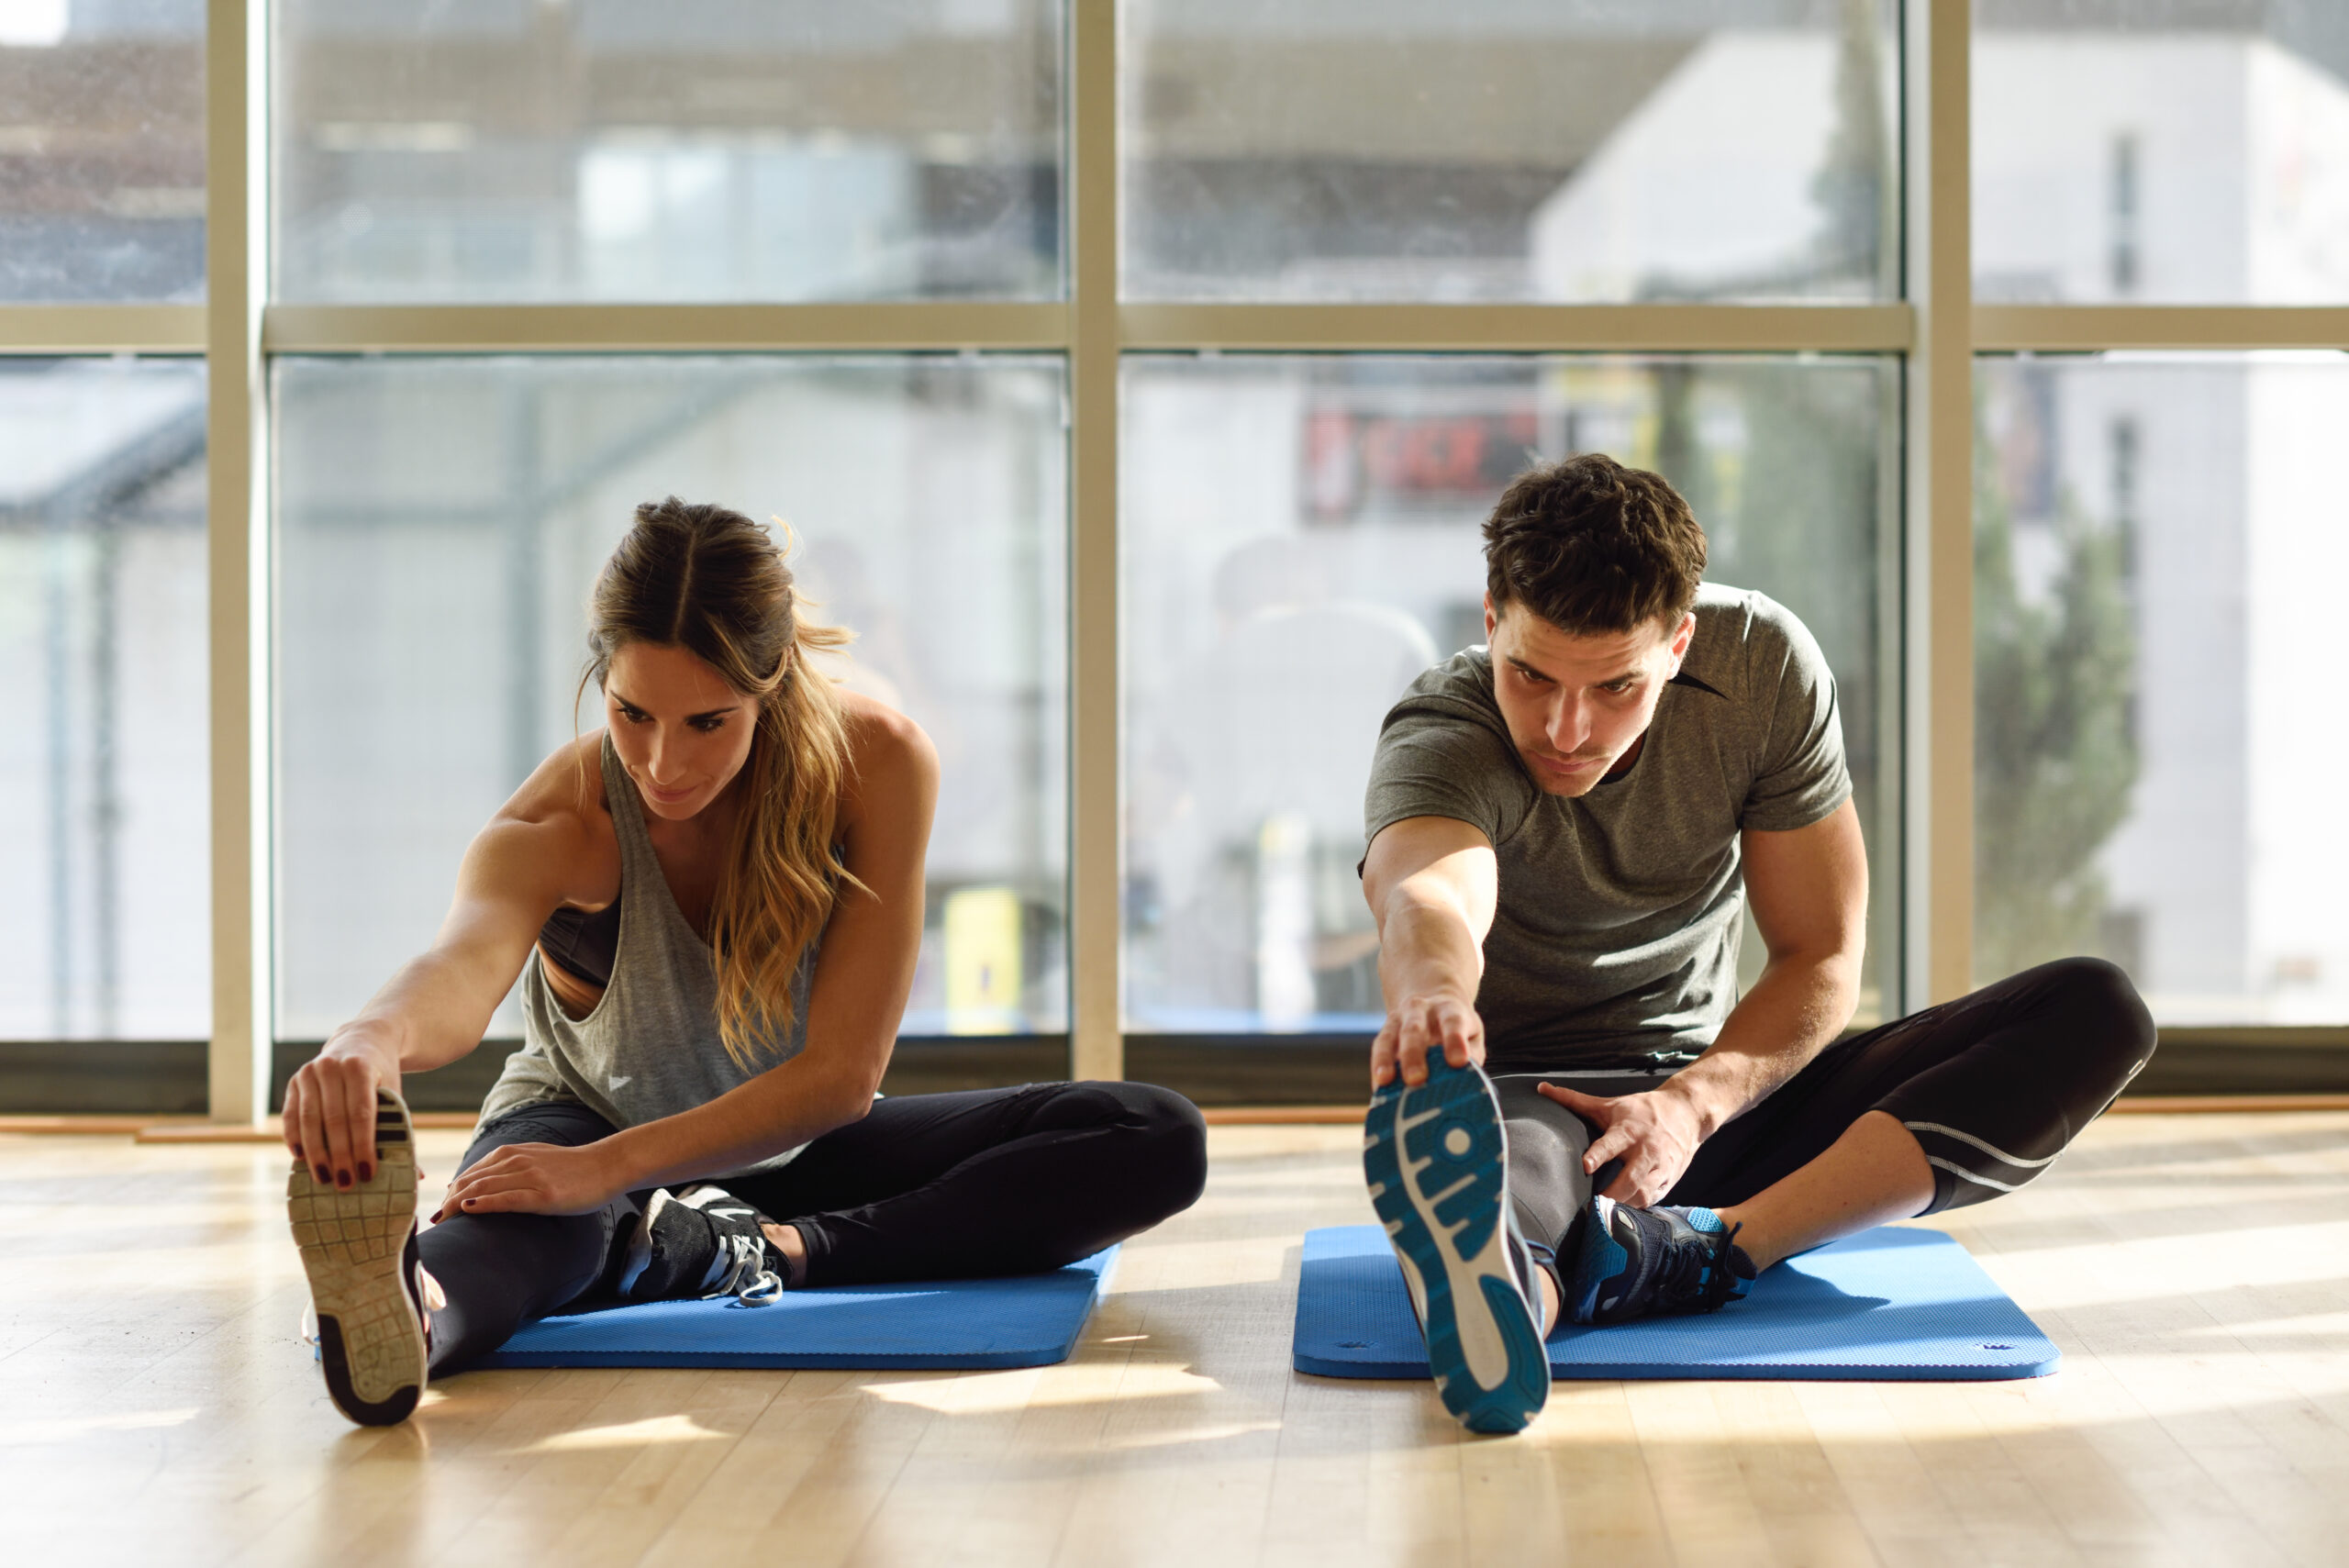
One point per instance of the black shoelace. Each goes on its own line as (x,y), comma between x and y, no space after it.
(1697,1280)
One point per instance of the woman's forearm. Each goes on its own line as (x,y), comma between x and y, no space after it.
(422,1018)
(781,1108)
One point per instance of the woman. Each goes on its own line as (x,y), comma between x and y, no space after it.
(715,905)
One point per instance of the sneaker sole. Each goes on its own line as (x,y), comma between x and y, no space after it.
(1435,1160)
(358,1249)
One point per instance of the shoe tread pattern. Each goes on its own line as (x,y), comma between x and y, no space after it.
(358,1248)
(1462,1180)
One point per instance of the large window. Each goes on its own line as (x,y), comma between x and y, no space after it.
(2157,759)
(2154,152)
(104,879)
(1579,149)
(102,150)
(1133,376)
(697,150)
(1300,541)
(431,623)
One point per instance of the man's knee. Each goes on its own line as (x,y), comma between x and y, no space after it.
(2101,1004)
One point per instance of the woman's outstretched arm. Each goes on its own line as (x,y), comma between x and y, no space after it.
(434,1009)
(862,977)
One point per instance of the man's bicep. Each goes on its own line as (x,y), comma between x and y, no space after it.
(1440,858)
(1809,887)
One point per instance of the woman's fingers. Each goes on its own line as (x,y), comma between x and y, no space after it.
(290,1122)
(358,1119)
(314,1133)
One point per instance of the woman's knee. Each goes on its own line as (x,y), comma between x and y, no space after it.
(1163,1144)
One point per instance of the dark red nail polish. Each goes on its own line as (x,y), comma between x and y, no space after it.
(342,1178)
(322,1173)
(367,1173)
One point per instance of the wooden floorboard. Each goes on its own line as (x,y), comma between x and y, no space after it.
(155,1406)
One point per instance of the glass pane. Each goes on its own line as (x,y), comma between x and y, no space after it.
(101,149)
(1300,540)
(2156,734)
(439,524)
(702,149)
(2129,150)
(106,831)
(1584,150)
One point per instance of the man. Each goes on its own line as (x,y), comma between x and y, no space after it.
(1564,828)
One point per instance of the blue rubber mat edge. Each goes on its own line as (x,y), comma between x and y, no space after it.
(1823,1316)
(950,1324)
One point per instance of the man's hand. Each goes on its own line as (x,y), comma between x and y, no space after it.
(1418,1025)
(536,1178)
(1655,1134)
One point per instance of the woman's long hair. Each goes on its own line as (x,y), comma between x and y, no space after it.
(711,581)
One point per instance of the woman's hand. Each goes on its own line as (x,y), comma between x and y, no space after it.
(536,1178)
(330,1109)
(1656,1134)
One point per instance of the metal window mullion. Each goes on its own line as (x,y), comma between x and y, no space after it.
(1096,936)
(27,329)
(236,557)
(1937,891)
(943,326)
(2066,329)
(1519,328)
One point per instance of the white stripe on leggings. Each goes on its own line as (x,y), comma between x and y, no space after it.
(1991,1150)
(1954,1169)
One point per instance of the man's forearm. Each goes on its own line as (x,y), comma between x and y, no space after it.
(1793,1010)
(1426,949)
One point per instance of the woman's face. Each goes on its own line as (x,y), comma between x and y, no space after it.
(681,730)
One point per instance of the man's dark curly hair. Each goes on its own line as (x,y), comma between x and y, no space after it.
(1591,547)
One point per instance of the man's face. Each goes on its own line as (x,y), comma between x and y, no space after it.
(1575,704)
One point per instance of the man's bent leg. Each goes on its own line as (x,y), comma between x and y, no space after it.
(1871,1175)
(1952,1106)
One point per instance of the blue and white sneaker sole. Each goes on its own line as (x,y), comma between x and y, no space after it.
(1436,1162)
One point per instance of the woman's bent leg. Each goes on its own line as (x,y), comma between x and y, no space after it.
(500,1270)
(988,1182)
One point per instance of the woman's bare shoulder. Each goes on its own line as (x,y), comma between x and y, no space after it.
(881,740)
(560,824)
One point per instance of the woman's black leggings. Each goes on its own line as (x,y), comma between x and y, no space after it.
(924,1186)
(1992,1087)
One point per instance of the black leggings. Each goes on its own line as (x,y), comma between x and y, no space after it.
(1992,1085)
(924,1186)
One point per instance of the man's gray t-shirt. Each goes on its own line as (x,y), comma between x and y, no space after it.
(1615,941)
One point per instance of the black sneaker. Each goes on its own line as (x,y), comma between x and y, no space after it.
(697,1242)
(1437,1162)
(358,1249)
(1654,1262)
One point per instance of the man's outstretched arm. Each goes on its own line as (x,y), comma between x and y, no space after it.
(1808,892)
(1431,882)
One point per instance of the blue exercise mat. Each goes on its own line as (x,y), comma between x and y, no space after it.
(1889,1305)
(1028,1320)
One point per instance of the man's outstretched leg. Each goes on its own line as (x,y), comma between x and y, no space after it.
(1436,1161)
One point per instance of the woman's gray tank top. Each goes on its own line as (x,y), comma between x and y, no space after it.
(650,1049)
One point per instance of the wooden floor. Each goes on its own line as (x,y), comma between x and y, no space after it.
(155,1407)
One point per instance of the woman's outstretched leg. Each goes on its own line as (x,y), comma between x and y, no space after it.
(500,1270)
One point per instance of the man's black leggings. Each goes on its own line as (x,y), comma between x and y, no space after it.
(925,1186)
(1992,1085)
